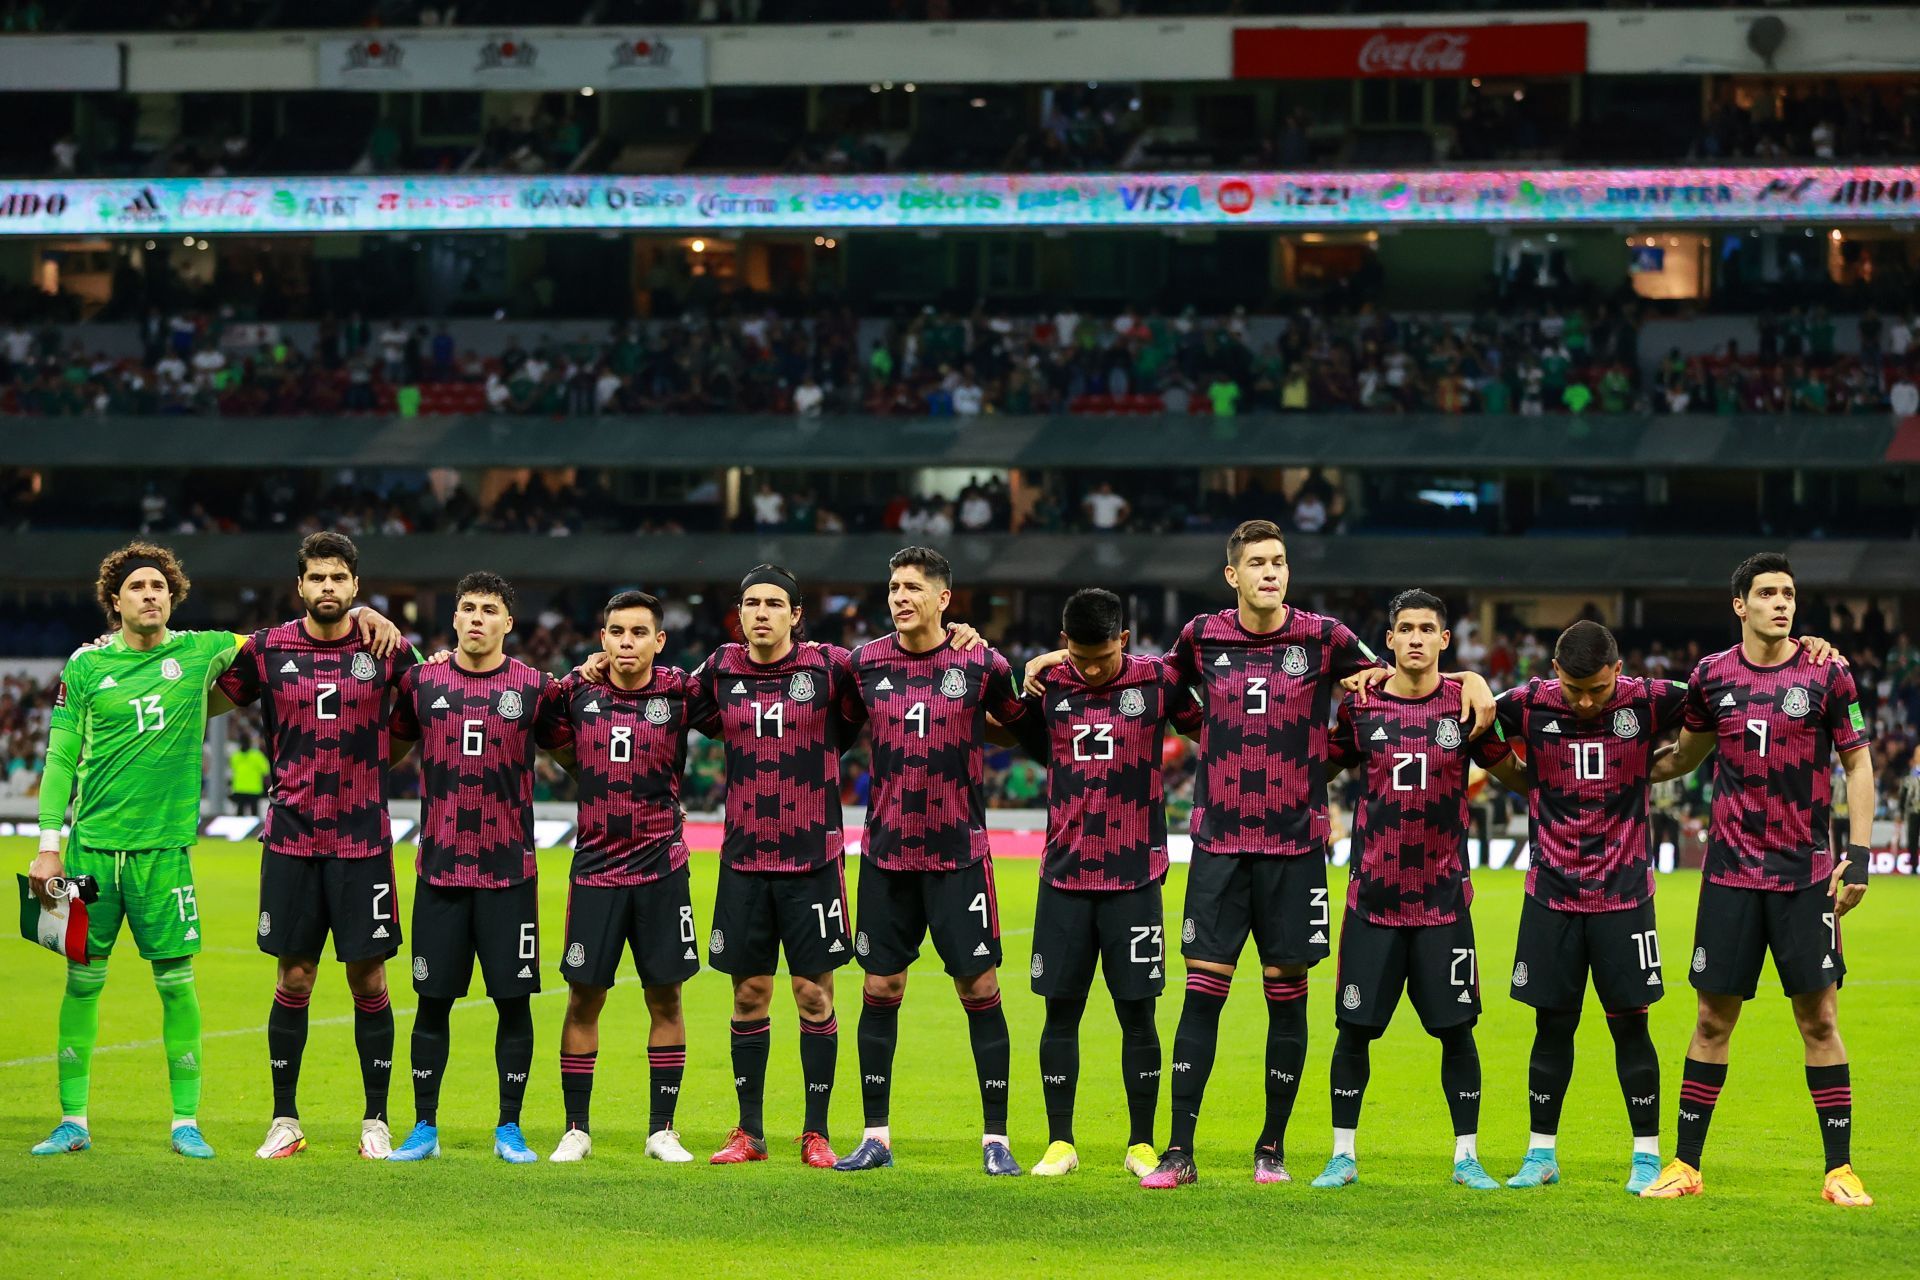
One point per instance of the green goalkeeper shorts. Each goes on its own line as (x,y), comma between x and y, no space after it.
(151,890)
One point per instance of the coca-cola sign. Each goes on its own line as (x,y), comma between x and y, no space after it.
(1342,53)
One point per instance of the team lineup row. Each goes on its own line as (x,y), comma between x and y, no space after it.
(1279,700)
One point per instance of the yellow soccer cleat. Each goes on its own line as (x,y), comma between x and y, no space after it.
(1681,1179)
(1142,1159)
(1060,1159)
(1843,1187)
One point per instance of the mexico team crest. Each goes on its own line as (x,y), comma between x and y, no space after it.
(1350,998)
(1520,974)
(658,712)
(363,668)
(862,944)
(171,670)
(1446,734)
(954,683)
(1133,703)
(1294,661)
(510,707)
(1795,702)
(1625,723)
(1039,967)
(716,942)
(576,956)
(800,688)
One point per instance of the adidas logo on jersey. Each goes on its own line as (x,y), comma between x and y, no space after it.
(1319,936)
(380,932)
(885,686)
(1221,661)
(981,950)
(739,686)
(592,706)
(1379,735)
(1727,700)
(1062,705)
(439,704)
(1827,963)
(193,935)
(1466,996)
(836,948)
(690,955)
(1154,973)
(1653,979)
(526,971)
(1553,726)
(108,682)
(291,667)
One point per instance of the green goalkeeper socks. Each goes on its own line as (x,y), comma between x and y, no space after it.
(180,1032)
(79,1030)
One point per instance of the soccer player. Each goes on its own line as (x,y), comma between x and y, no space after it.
(926,866)
(785,710)
(625,737)
(1265,673)
(327,857)
(1588,737)
(478,719)
(128,723)
(1099,723)
(1407,922)
(1777,716)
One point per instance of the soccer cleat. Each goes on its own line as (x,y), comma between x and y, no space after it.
(511,1145)
(998,1161)
(66,1138)
(1141,1159)
(1469,1174)
(1176,1169)
(1268,1167)
(815,1151)
(870,1154)
(1537,1170)
(376,1140)
(422,1144)
(1646,1167)
(1678,1179)
(1340,1172)
(740,1148)
(1844,1187)
(283,1139)
(1060,1159)
(189,1142)
(665,1145)
(575,1146)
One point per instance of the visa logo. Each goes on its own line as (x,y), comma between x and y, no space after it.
(1159,198)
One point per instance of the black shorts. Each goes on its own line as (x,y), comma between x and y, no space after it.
(1557,949)
(899,908)
(500,926)
(1121,932)
(1736,928)
(653,920)
(302,900)
(1436,963)
(756,913)
(1282,902)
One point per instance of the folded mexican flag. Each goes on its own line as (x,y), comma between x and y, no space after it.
(63,929)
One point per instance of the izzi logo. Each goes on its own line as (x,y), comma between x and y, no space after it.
(1159,198)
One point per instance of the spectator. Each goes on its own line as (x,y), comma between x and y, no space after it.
(1105,510)
(769,509)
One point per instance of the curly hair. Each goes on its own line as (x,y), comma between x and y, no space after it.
(119,564)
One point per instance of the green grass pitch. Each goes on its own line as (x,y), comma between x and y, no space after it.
(130,1207)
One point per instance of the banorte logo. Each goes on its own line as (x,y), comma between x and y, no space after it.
(1439,52)
(1235,196)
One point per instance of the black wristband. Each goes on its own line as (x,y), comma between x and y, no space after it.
(1858,856)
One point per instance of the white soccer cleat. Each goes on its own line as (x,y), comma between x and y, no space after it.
(574,1147)
(376,1140)
(665,1145)
(283,1139)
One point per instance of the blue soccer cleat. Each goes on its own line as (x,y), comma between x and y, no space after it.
(421,1144)
(870,1154)
(510,1145)
(1469,1174)
(188,1141)
(1340,1172)
(1646,1171)
(67,1137)
(998,1161)
(1538,1170)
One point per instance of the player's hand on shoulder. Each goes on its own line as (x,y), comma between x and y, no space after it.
(1476,699)
(1360,683)
(377,631)
(1820,651)
(1035,679)
(594,667)
(439,657)
(965,638)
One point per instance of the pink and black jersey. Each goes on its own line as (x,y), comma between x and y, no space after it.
(1592,845)
(785,724)
(1262,785)
(477,733)
(1778,728)
(927,714)
(629,748)
(1410,831)
(324,706)
(1106,812)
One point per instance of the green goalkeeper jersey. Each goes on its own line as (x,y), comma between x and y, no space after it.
(141,716)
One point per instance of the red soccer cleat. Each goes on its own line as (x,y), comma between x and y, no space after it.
(814,1151)
(741,1148)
